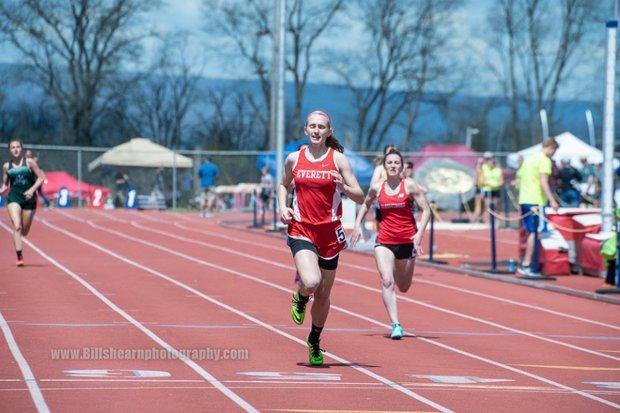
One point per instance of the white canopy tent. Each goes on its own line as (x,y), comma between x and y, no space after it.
(571,147)
(142,152)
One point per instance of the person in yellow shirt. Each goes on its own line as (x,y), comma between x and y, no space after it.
(492,180)
(534,193)
(478,193)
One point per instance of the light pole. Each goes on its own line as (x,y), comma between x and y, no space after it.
(279,104)
(590,122)
(469,132)
(276,127)
(544,123)
(608,127)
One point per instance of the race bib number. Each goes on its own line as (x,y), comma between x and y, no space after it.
(97,198)
(63,200)
(131,199)
(340,235)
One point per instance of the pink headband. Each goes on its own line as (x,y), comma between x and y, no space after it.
(321,113)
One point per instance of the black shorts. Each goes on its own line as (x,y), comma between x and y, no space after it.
(492,194)
(400,251)
(297,245)
(265,195)
(19,198)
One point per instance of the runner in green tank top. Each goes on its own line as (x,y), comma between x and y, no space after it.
(24,177)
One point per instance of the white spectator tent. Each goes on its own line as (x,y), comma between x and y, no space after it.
(142,152)
(571,147)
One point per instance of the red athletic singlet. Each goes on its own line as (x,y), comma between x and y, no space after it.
(316,199)
(397,223)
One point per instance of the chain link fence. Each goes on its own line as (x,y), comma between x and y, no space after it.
(449,176)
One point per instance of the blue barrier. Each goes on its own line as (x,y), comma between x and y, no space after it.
(431,237)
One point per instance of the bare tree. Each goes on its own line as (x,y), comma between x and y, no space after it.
(165,94)
(34,121)
(461,112)
(535,58)
(505,26)
(388,80)
(247,24)
(229,122)
(306,22)
(75,49)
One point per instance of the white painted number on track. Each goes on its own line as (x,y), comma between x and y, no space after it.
(117,374)
(457,379)
(605,384)
(274,375)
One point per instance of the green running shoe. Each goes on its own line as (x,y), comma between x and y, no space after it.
(298,309)
(315,353)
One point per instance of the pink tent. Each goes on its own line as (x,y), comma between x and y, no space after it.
(459,153)
(58,179)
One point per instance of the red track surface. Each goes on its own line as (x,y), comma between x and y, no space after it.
(128,280)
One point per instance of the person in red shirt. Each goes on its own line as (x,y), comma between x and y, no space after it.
(399,239)
(320,174)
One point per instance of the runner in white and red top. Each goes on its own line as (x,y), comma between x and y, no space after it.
(399,238)
(320,174)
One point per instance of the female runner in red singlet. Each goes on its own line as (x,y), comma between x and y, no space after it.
(399,238)
(320,174)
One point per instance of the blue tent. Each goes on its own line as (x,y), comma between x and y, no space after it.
(361,168)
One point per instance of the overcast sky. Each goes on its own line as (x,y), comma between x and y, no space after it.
(470,20)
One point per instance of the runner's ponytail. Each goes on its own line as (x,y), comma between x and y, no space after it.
(333,143)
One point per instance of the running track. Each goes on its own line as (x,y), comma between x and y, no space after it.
(129,280)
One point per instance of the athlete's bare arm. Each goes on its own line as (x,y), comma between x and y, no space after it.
(32,164)
(370,197)
(346,181)
(5,178)
(286,213)
(417,194)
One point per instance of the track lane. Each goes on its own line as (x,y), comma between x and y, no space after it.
(158,240)
(269,353)
(601,313)
(530,323)
(14,393)
(51,300)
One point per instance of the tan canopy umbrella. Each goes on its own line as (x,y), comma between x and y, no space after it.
(141,152)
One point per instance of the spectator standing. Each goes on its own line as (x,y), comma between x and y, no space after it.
(208,173)
(121,181)
(478,191)
(492,180)
(266,187)
(158,185)
(534,193)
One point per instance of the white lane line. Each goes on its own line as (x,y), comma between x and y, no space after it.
(417,280)
(504,300)
(401,297)
(267,326)
(191,364)
(353,314)
(31,381)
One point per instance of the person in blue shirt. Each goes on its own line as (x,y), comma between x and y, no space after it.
(207,173)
